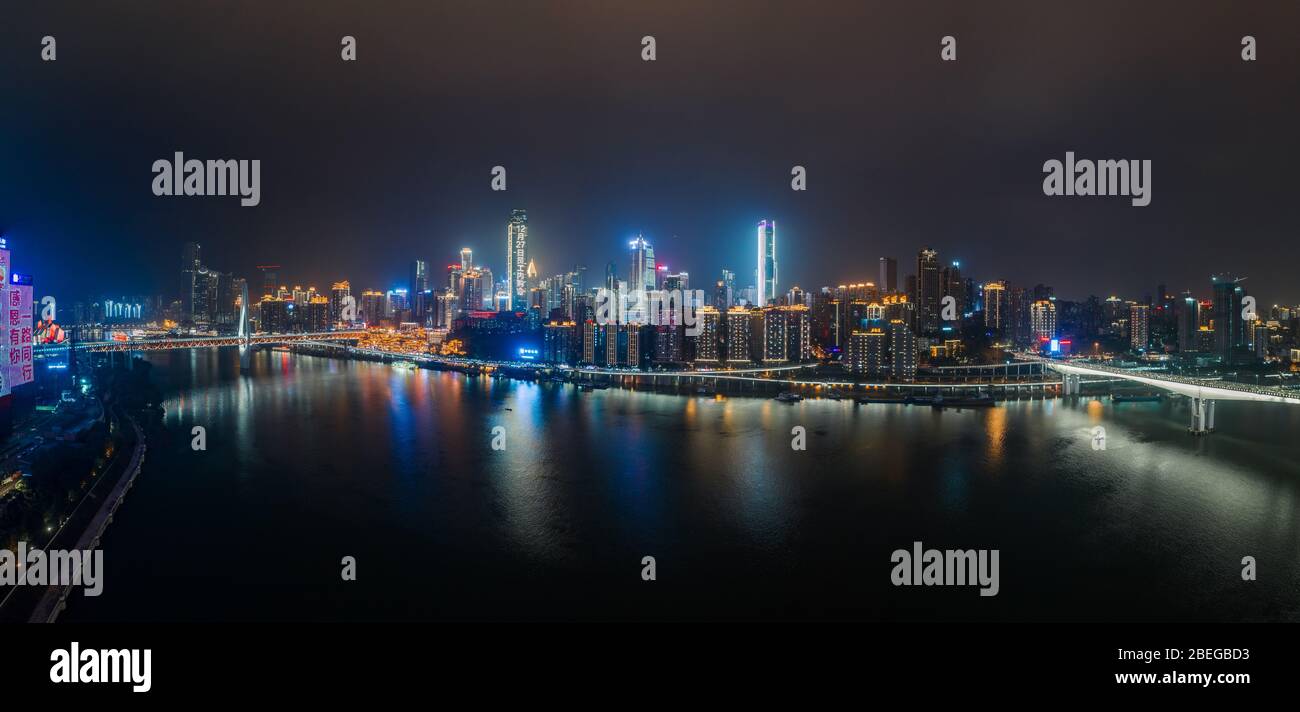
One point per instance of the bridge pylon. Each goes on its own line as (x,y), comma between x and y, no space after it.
(1202,416)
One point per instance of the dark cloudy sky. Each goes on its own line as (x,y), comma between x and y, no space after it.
(367,165)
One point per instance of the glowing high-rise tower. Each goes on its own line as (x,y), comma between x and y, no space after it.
(766,262)
(517,260)
(642,275)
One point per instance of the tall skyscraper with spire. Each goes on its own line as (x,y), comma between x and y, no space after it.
(517,260)
(642,275)
(766,274)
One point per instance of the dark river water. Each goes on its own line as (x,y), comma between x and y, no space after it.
(310,459)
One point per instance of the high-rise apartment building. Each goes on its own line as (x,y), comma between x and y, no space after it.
(1139,325)
(1042,318)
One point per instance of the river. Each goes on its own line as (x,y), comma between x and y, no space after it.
(309,460)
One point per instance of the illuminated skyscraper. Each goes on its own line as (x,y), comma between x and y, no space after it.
(888,281)
(1230,337)
(736,341)
(927,291)
(767,278)
(902,350)
(866,351)
(1042,319)
(767,334)
(709,338)
(338,294)
(466,259)
(1189,322)
(997,307)
(517,260)
(270,279)
(641,277)
(1139,319)
(419,277)
(371,307)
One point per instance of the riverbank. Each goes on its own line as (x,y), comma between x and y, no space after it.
(55,599)
(85,526)
(755,382)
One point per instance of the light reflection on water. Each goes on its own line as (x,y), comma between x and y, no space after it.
(310,459)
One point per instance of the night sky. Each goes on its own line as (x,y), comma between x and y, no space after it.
(369,164)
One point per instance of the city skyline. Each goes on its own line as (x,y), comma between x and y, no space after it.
(875,275)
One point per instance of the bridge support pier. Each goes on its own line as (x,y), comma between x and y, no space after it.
(1202,416)
(1070,384)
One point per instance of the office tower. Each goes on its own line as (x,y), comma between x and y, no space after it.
(203,284)
(1230,340)
(444,309)
(470,297)
(339,293)
(270,279)
(888,280)
(927,291)
(641,275)
(191,257)
(274,315)
(578,279)
(394,303)
(1189,322)
(766,276)
(466,259)
(736,342)
(952,285)
(454,275)
(371,307)
(419,305)
(517,260)
(1139,320)
(677,280)
(419,279)
(225,302)
(611,276)
(1042,318)
(1021,298)
(723,296)
(997,307)
(489,289)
